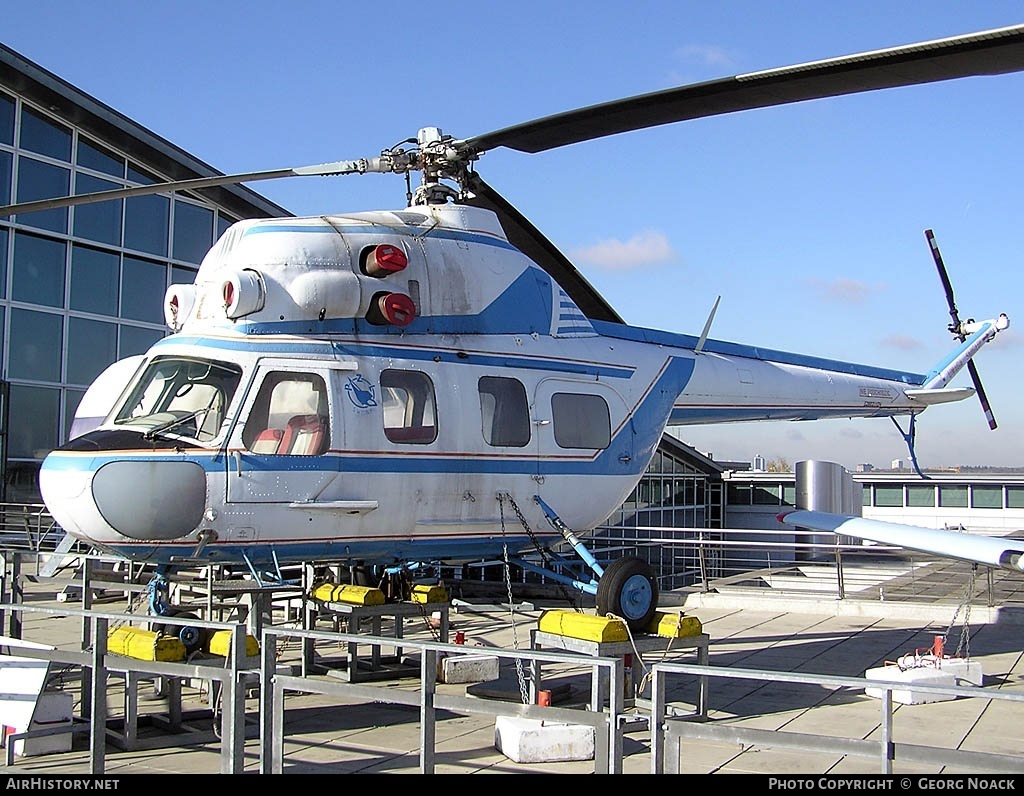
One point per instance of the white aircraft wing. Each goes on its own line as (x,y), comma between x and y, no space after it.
(1006,553)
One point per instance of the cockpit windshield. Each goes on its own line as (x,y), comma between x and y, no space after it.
(180,396)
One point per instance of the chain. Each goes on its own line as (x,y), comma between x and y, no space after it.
(963,647)
(520,674)
(545,559)
(529,531)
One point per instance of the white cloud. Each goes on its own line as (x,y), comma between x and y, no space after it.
(1008,338)
(643,248)
(706,54)
(843,290)
(902,342)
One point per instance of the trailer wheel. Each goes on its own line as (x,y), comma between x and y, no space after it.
(628,590)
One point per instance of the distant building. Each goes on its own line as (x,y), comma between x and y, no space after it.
(759,463)
(897,464)
(865,468)
(987,503)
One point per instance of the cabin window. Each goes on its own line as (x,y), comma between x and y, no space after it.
(580,421)
(290,416)
(504,412)
(409,406)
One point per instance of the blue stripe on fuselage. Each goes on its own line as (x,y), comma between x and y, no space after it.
(328,350)
(641,335)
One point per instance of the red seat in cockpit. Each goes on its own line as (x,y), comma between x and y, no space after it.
(268,441)
(305,435)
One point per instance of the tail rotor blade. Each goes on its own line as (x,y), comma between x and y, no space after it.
(946,284)
(989,416)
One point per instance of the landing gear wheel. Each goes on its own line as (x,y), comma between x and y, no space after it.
(628,590)
(192,637)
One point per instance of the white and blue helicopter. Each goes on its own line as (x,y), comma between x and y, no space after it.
(438,383)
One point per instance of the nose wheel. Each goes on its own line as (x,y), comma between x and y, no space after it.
(628,590)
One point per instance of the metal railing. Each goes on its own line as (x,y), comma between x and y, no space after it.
(28,526)
(667,731)
(608,749)
(236,673)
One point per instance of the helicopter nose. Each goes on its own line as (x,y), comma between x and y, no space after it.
(150,500)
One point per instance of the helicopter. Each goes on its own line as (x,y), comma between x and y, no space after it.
(438,382)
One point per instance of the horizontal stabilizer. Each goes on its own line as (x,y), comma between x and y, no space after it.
(940,396)
(992,551)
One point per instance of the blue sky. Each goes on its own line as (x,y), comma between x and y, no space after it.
(808,220)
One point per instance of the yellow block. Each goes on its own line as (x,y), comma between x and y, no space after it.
(582,626)
(220,644)
(674,625)
(352,595)
(429,594)
(145,645)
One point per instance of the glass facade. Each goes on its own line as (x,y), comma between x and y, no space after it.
(81,286)
(673,493)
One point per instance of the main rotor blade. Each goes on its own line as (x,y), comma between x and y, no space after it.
(531,242)
(321,170)
(991,52)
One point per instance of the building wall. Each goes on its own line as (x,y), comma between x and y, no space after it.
(981,503)
(80,287)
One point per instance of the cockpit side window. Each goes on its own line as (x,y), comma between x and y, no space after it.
(290,416)
(181,396)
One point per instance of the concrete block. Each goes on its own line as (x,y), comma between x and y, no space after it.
(468,669)
(966,672)
(533,741)
(925,675)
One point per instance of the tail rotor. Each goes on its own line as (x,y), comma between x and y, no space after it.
(957,326)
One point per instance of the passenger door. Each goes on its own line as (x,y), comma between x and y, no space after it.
(580,428)
(278,449)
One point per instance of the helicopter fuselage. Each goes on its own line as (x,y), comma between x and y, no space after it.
(399,386)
